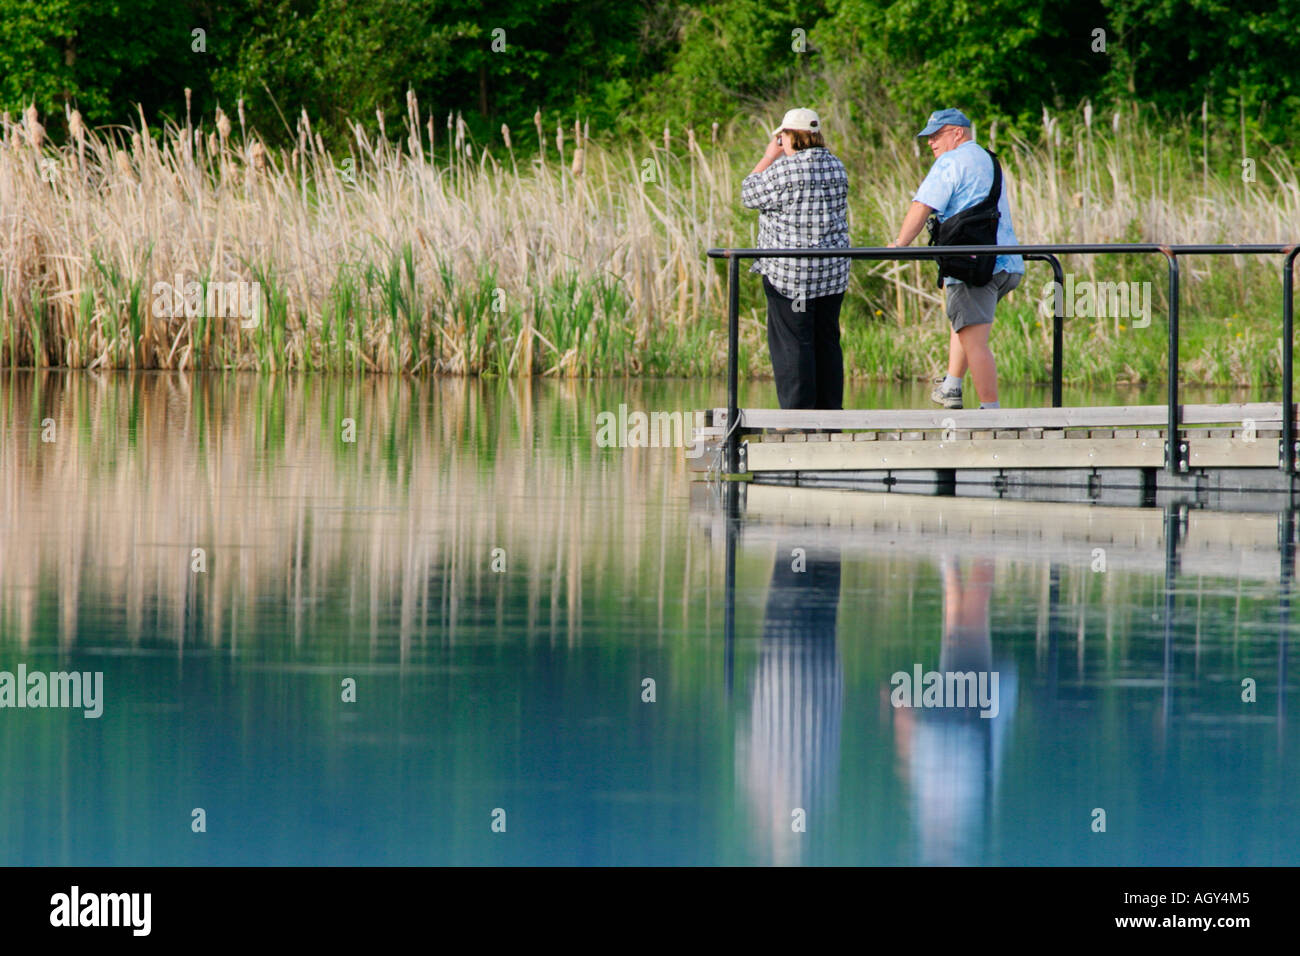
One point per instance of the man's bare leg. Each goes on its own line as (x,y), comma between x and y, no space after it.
(974,341)
(956,355)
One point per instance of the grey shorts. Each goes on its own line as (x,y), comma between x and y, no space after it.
(969,305)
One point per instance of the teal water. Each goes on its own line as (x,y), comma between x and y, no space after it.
(499,588)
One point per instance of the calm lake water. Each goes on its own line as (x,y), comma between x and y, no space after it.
(495,590)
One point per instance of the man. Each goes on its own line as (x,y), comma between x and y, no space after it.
(801,193)
(961,177)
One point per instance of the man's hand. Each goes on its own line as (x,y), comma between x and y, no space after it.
(913,223)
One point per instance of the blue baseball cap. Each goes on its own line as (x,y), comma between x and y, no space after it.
(941,118)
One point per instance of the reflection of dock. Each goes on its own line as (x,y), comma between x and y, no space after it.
(1211,543)
(1117,453)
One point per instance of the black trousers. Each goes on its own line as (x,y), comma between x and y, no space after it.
(805,347)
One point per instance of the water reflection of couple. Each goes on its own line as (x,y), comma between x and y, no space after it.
(788,752)
(951,756)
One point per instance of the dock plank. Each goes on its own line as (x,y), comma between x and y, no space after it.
(1232,453)
(1124,416)
(975,453)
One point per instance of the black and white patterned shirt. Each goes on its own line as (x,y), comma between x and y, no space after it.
(802,202)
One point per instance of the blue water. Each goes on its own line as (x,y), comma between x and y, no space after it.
(517,696)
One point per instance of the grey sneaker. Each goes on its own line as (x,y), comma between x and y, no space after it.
(946,399)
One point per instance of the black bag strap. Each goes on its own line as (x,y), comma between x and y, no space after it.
(995,191)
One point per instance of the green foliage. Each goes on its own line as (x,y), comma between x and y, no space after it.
(104,58)
(733,54)
(1005,57)
(342,60)
(631,66)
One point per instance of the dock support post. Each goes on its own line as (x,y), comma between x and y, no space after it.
(732,440)
(1287,462)
(1058,332)
(1175,459)
(1058,323)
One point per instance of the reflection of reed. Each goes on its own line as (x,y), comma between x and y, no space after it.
(789,752)
(400,525)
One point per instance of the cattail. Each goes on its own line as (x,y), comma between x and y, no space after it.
(505,135)
(76,127)
(379,115)
(715,133)
(212,144)
(1114,123)
(586,130)
(537,121)
(667,137)
(577,134)
(239,106)
(35,131)
(223,126)
(451,122)
(257,156)
(123,164)
(690,138)
(579,160)
(1087,114)
(320,143)
(137,148)
(559,138)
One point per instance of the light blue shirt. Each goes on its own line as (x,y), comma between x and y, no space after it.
(959,179)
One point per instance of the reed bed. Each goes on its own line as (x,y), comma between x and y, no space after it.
(574,257)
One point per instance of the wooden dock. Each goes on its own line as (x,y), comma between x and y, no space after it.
(1154,449)
(1118,452)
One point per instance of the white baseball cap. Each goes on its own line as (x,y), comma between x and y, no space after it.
(800,119)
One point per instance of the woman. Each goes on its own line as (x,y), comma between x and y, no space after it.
(801,193)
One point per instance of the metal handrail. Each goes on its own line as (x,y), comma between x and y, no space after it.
(1175,450)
